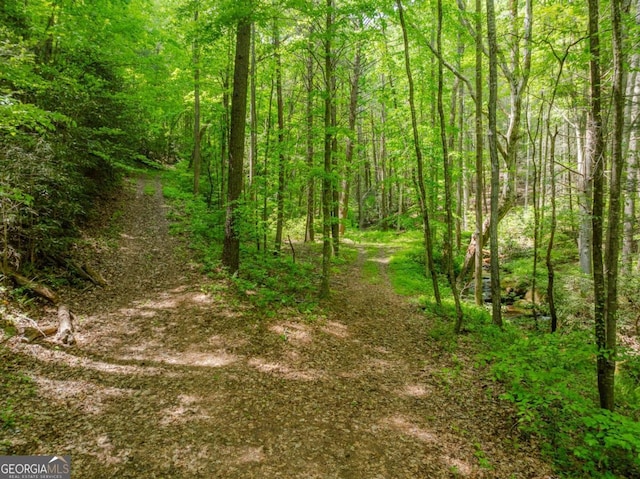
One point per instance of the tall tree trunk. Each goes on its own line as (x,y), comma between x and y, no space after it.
(629,245)
(196,158)
(428,243)
(371,177)
(224,135)
(309,229)
(328,141)
(351,138)
(360,192)
(253,143)
(447,178)
(552,233)
(495,164)
(595,154)
(265,170)
(537,204)
(381,173)
(47,54)
(335,183)
(461,206)
(552,173)
(611,259)
(517,75)
(585,201)
(479,237)
(281,160)
(231,246)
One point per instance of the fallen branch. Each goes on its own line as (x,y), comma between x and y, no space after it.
(79,270)
(84,270)
(293,251)
(33,333)
(65,329)
(26,327)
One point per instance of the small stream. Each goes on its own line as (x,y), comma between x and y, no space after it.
(516,302)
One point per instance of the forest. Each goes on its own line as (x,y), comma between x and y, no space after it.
(431,196)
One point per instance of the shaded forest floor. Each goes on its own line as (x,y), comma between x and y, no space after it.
(174,376)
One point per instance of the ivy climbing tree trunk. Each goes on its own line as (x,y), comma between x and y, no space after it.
(595,153)
(428,243)
(231,246)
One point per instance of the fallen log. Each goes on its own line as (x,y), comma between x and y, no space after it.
(65,326)
(79,270)
(95,276)
(83,270)
(64,331)
(37,288)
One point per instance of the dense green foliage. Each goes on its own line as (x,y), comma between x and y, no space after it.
(549,378)
(69,123)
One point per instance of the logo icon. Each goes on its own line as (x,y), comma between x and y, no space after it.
(35,467)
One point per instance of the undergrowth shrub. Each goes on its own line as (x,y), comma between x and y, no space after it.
(271,281)
(46,193)
(190,217)
(65,132)
(550,378)
(267,280)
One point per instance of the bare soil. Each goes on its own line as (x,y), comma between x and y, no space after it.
(174,376)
